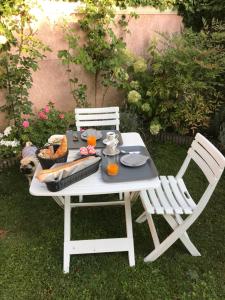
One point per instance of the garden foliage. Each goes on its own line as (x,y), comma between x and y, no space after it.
(39,127)
(183,84)
(101,52)
(195,12)
(20,51)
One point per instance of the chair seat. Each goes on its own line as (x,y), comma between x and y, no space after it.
(171,197)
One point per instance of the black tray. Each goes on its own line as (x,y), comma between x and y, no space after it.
(65,182)
(147,171)
(82,143)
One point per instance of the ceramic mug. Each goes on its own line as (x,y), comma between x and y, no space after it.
(111,136)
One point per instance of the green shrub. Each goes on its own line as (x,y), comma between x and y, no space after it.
(46,122)
(184,83)
(20,52)
(195,12)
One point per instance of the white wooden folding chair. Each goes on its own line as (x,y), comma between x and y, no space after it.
(96,117)
(171,198)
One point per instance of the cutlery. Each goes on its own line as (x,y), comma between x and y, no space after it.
(130,152)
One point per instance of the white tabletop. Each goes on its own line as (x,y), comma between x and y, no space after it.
(93,184)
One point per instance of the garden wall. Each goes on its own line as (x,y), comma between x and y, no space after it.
(51,80)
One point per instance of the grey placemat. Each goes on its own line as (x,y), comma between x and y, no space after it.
(82,143)
(147,171)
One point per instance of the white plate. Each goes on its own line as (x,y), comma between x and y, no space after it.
(134,160)
(90,131)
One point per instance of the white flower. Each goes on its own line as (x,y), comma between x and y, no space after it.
(3,40)
(155,127)
(133,96)
(12,144)
(1,135)
(7,131)
(15,143)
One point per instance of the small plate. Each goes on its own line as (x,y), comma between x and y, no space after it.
(134,160)
(90,131)
(110,154)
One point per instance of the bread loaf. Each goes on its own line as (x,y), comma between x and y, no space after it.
(56,173)
(62,148)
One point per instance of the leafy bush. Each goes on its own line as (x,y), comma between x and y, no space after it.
(20,51)
(195,12)
(183,85)
(47,122)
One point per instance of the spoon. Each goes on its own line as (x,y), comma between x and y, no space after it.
(130,152)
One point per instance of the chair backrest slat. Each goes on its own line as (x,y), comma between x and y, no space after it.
(97,123)
(104,116)
(97,110)
(211,162)
(80,117)
(202,165)
(214,152)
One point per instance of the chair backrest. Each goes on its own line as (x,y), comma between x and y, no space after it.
(104,116)
(211,162)
(209,159)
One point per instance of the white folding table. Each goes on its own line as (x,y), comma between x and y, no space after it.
(94,185)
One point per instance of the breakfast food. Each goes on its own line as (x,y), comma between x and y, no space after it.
(83,151)
(67,169)
(48,153)
(62,148)
(91,150)
(55,139)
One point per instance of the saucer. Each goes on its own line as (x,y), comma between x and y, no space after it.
(109,153)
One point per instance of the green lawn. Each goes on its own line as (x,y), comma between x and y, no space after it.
(32,247)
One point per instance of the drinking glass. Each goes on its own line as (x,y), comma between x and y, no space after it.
(91,140)
(112,166)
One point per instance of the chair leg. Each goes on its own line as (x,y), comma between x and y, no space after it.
(81,198)
(178,232)
(184,238)
(153,230)
(121,196)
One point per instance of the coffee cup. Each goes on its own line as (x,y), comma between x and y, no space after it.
(111,136)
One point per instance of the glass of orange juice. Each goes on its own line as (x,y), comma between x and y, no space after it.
(112,167)
(91,140)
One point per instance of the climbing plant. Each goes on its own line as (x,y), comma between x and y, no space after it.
(102,52)
(20,51)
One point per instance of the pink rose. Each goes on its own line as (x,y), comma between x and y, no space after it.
(42,115)
(61,116)
(47,109)
(25,124)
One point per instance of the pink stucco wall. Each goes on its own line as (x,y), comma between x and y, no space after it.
(50,82)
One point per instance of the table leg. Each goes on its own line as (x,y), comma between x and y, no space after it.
(129,229)
(67,233)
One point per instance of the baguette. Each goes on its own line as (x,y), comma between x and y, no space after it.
(55,172)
